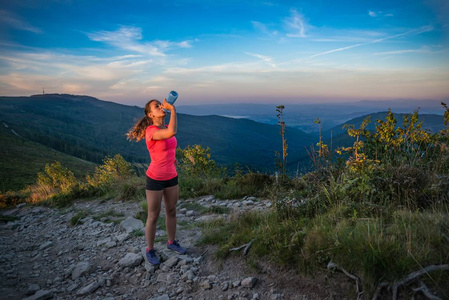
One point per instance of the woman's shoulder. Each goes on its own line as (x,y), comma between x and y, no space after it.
(152,127)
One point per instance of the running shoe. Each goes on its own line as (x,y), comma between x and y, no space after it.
(176,247)
(152,257)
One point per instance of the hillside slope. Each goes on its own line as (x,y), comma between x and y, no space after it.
(90,129)
(21,160)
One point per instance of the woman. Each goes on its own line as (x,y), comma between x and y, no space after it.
(162,178)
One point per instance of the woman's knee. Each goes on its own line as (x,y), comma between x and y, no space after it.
(152,218)
(171,212)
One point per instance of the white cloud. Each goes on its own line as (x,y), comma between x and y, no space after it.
(266,59)
(375,14)
(296,24)
(422,50)
(9,19)
(131,38)
(410,32)
(263,28)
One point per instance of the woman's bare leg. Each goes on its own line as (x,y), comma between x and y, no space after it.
(154,208)
(171,196)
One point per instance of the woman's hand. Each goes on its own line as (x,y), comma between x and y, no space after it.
(167,106)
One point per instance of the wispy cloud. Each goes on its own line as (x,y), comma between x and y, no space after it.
(130,38)
(410,32)
(266,59)
(263,28)
(9,19)
(296,24)
(423,50)
(375,14)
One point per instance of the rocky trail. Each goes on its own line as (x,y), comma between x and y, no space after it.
(44,256)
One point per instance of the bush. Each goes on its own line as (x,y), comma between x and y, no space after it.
(55,180)
(112,170)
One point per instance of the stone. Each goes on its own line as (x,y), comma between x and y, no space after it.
(40,295)
(88,289)
(163,297)
(249,282)
(32,289)
(80,269)
(46,245)
(206,285)
(190,213)
(173,260)
(104,241)
(131,260)
(130,224)
(122,237)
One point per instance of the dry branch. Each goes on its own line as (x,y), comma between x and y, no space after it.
(246,246)
(332,265)
(423,288)
(410,277)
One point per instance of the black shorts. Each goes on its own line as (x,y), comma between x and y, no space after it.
(159,185)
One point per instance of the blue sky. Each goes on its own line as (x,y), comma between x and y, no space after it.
(226,51)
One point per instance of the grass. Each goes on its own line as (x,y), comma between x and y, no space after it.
(376,249)
(137,233)
(76,219)
(21,160)
(194,206)
(109,216)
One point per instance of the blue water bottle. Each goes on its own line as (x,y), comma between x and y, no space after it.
(172,96)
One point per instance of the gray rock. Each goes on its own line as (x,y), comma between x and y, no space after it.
(46,245)
(88,289)
(249,282)
(104,241)
(72,287)
(32,289)
(122,237)
(80,269)
(163,297)
(190,213)
(206,285)
(131,260)
(130,224)
(40,295)
(171,262)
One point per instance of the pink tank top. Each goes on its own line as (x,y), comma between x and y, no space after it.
(163,156)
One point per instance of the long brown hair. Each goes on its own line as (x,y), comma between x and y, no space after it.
(137,132)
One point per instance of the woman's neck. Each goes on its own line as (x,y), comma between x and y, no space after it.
(158,122)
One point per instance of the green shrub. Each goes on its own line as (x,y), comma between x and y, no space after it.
(112,170)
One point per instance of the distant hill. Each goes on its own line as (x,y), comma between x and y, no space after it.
(303,115)
(433,123)
(90,129)
(21,160)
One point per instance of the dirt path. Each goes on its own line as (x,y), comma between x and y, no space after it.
(43,256)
